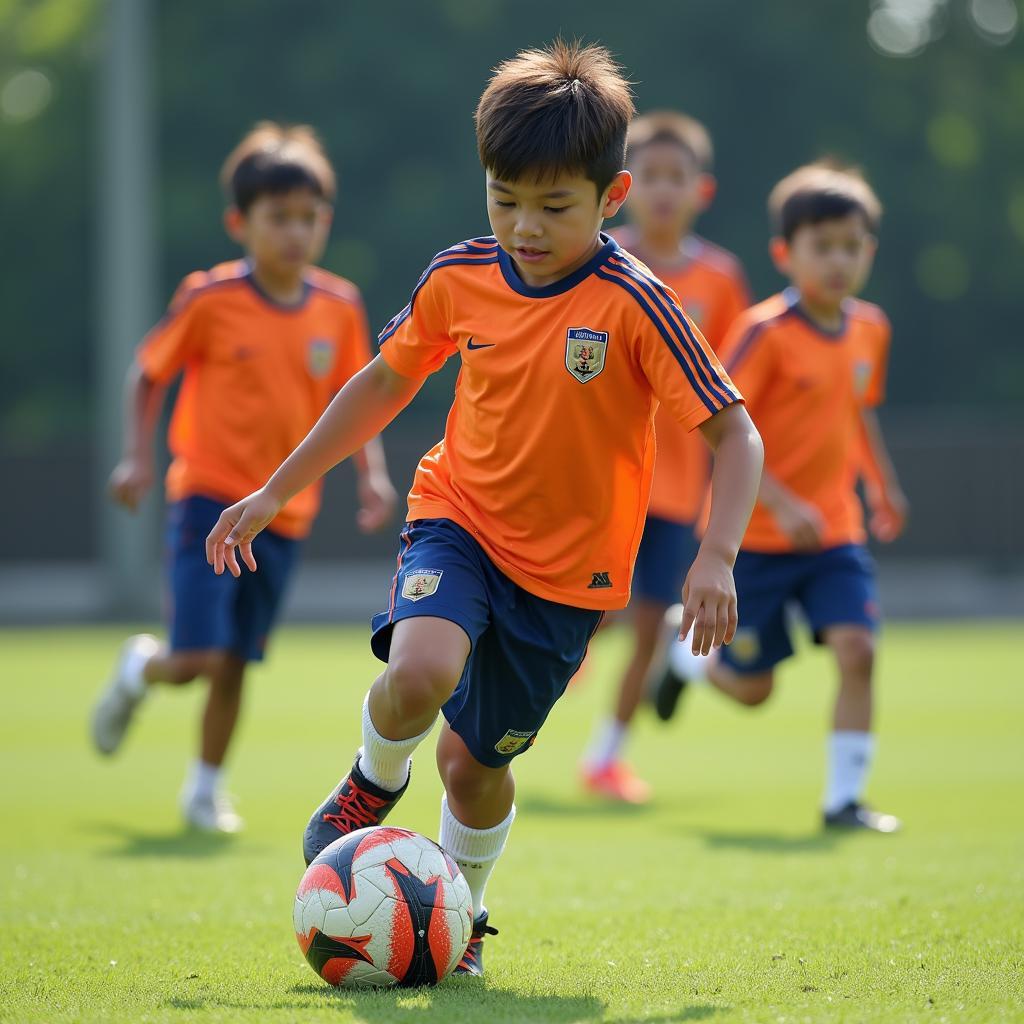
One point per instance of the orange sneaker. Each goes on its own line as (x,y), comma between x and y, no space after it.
(616,781)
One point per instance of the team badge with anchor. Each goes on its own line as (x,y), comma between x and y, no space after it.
(421,583)
(585,352)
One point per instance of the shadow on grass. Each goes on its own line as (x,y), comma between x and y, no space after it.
(186,843)
(767,842)
(578,807)
(455,1000)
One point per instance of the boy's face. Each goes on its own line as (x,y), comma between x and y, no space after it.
(828,261)
(282,234)
(669,189)
(550,228)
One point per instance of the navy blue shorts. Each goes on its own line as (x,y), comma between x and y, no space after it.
(221,613)
(524,651)
(666,552)
(835,587)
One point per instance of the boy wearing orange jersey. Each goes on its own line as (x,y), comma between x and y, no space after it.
(812,365)
(525,519)
(669,156)
(263,344)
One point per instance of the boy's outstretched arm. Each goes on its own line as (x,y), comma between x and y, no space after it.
(133,476)
(377,497)
(886,501)
(709,594)
(358,413)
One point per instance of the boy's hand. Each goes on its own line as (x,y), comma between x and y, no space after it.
(239,525)
(130,481)
(801,522)
(377,499)
(889,511)
(709,603)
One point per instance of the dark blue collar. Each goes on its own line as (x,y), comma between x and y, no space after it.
(792,298)
(286,306)
(516,283)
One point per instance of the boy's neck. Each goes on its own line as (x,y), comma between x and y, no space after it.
(286,289)
(663,248)
(826,315)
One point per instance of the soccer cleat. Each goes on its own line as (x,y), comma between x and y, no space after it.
(117,704)
(213,813)
(615,781)
(354,803)
(669,689)
(856,816)
(472,961)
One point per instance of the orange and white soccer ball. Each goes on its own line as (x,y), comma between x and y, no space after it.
(383,906)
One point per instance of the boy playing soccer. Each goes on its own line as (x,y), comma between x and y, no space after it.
(811,363)
(263,343)
(525,519)
(669,156)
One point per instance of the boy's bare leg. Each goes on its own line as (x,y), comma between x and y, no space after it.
(223,703)
(752,689)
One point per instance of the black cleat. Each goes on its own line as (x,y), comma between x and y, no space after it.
(669,689)
(354,803)
(472,961)
(856,816)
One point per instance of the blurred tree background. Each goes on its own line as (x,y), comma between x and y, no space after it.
(926,95)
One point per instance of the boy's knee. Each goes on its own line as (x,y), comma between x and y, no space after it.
(755,690)
(465,779)
(418,686)
(854,650)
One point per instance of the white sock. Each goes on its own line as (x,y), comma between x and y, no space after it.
(386,762)
(849,758)
(133,667)
(692,667)
(475,850)
(606,744)
(204,780)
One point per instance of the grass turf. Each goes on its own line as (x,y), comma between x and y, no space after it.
(723,901)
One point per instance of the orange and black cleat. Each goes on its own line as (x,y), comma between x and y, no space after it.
(354,803)
(472,961)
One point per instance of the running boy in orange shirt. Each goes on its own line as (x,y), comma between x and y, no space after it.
(263,344)
(670,157)
(812,364)
(525,519)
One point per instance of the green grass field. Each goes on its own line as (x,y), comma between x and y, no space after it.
(721,902)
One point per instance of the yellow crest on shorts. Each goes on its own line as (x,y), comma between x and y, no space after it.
(745,646)
(513,741)
(421,583)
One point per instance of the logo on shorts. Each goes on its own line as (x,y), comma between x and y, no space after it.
(600,581)
(585,352)
(745,646)
(420,583)
(320,357)
(513,741)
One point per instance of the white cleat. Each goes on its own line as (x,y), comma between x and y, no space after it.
(124,693)
(211,814)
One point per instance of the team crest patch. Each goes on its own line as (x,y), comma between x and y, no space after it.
(745,646)
(585,352)
(514,740)
(320,357)
(861,376)
(421,583)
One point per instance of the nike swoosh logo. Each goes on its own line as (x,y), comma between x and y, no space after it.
(469,344)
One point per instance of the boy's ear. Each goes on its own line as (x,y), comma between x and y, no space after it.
(779,250)
(234,224)
(616,194)
(707,187)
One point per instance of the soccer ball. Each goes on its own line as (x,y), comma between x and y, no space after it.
(383,906)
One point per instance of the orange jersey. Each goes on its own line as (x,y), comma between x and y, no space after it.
(712,288)
(257,376)
(805,389)
(549,447)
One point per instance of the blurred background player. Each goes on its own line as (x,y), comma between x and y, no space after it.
(263,344)
(519,537)
(670,157)
(812,364)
